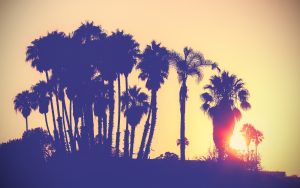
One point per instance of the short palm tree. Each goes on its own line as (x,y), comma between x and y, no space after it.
(154,67)
(258,138)
(41,91)
(187,66)
(24,102)
(220,102)
(248,133)
(134,105)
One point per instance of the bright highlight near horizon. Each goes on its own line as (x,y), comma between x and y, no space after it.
(237,141)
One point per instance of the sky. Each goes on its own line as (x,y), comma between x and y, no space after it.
(257,40)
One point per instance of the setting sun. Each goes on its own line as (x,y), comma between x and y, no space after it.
(237,141)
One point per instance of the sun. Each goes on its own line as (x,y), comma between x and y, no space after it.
(237,141)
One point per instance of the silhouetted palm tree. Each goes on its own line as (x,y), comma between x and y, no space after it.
(134,105)
(224,92)
(43,53)
(248,133)
(41,91)
(126,51)
(258,138)
(187,66)
(154,67)
(24,102)
(88,36)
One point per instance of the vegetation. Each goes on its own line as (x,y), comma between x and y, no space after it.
(80,71)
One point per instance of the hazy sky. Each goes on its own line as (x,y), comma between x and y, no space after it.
(257,40)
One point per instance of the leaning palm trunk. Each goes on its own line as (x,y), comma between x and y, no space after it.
(145,133)
(70,131)
(111,115)
(60,126)
(100,125)
(132,140)
(55,132)
(65,130)
(153,122)
(104,117)
(119,118)
(126,135)
(89,124)
(183,93)
(46,122)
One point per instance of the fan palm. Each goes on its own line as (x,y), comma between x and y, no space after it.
(126,51)
(41,91)
(134,105)
(220,102)
(24,102)
(248,132)
(154,67)
(187,66)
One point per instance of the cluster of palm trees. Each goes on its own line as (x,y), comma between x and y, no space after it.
(80,71)
(251,134)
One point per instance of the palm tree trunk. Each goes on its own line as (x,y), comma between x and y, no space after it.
(126,135)
(76,132)
(182,98)
(111,115)
(26,119)
(60,126)
(256,151)
(132,140)
(46,121)
(70,130)
(100,123)
(145,133)
(56,137)
(104,127)
(119,118)
(64,129)
(153,122)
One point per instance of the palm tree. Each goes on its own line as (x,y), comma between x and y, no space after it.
(258,138)
(24,102)
(134,105)
(154,67)
(43,53)
(126,51)
(223,93)
(187,66)
(41,91)
(248,133)
(88,36)
(101,102)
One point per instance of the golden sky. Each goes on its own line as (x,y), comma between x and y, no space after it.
(257,40)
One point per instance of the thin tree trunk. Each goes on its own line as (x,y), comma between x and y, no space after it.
(111,115)
(145,133)
(100,122)
(256,151)
(104,128)
(153,123)
(64,129)
(182,98)
(46,121)
(55,132)
(70,130)
(26,119)
(132,140)
(126,135)
(60,126)
(119,118)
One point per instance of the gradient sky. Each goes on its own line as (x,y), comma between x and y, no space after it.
(257,40)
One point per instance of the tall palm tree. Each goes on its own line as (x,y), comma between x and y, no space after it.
(126,51)
(154,67)
(187,66)
(41,91)
(134,105)
(220,102)
(88,37)
(24,102)
(43,53)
